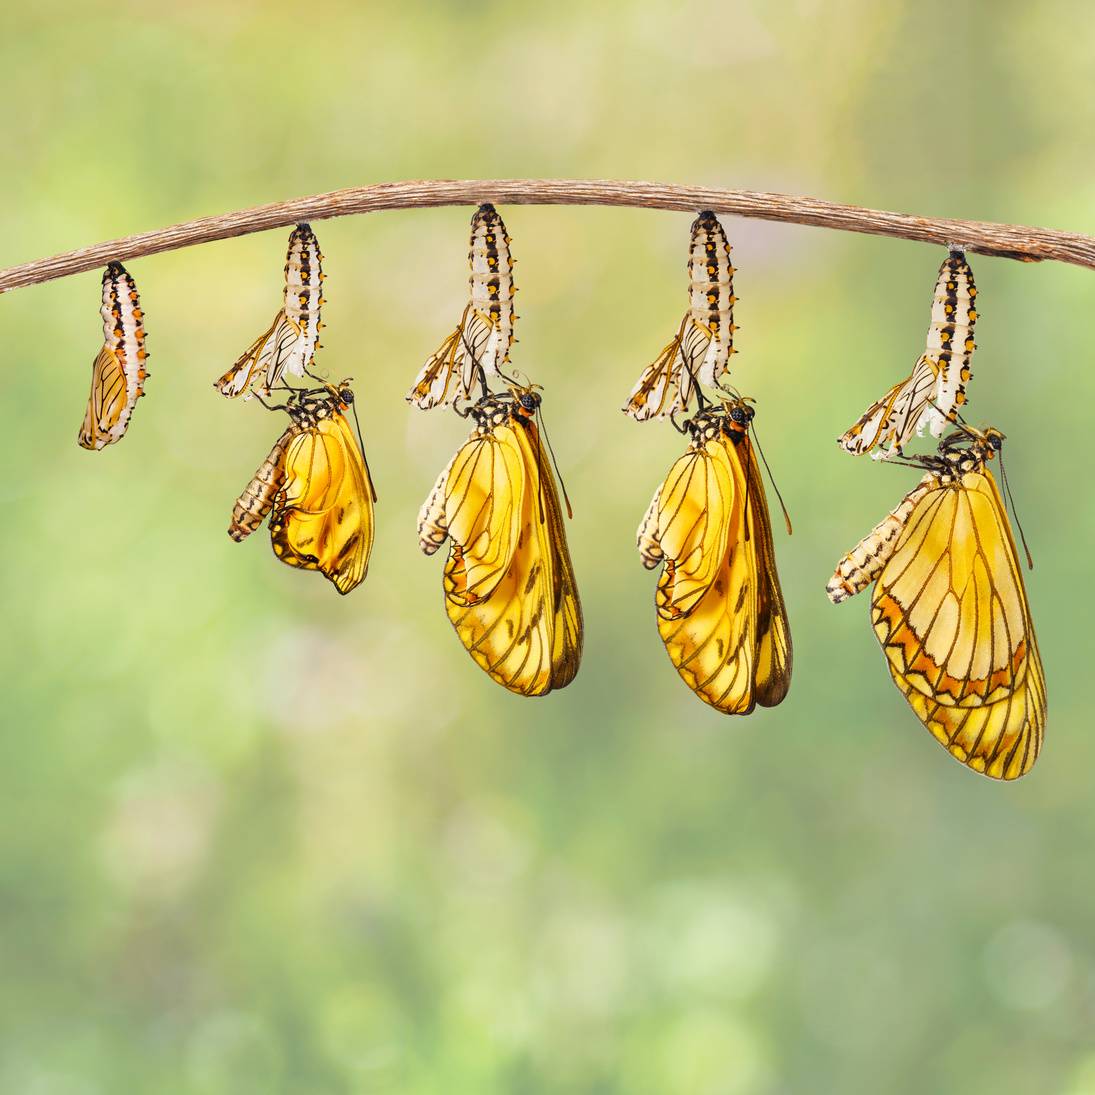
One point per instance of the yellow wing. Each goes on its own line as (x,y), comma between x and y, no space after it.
(719,605)
(323,513)
(951,614)
(106,417)
(270,354)
(509,585)
(772,674)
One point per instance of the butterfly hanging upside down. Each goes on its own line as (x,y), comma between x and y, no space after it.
(950,611)
(291,342)
(118,376)
(719,605)
(316,487)
(509,584)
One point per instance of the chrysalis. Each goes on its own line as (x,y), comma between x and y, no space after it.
(481,342)
(118,375)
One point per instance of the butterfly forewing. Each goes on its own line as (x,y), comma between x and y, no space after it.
(118,374)
(936,388)
(509,584)
(720,609)
(323,514)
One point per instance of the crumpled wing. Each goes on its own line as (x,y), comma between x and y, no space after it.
(323,514)
(700,511)
(509,584)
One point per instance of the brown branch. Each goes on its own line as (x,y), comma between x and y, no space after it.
(980,237)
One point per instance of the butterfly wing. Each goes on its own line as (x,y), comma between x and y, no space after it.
(707,595)
(509,584)
(772,672)
(951,614)
(108,402)
(323,514)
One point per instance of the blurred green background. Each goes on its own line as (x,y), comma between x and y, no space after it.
(255,837)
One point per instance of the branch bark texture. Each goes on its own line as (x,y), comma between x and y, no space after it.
(979,237)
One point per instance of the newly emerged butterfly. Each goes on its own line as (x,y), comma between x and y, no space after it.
(950,611)
(480,344)
(937,387)
(702,347)
(316,487)
(509,584)
(719,605)
(118,375)
(290,343)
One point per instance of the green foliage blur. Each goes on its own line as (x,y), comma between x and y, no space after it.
(259,838)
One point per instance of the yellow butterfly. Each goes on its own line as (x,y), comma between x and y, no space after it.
(481,342)
(509,584)
(719,606)
(937,386)
(290,343)
(316,486)
(950,611)
(702,347)
(118,376)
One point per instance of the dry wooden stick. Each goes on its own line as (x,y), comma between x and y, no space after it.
(983,238)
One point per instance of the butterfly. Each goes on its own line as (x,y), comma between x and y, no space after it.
(315,484)
(950,611)
(703,345)
(290,343)
(509,584)
(937,386)
(720,609)
(480,344)
(118,375)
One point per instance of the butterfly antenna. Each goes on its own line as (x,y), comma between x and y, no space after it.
(555,464)
(361,445)
(1011,502)
(771,479)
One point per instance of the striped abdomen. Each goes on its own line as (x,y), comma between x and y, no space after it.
(258,496)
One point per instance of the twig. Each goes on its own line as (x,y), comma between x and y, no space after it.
(983,238)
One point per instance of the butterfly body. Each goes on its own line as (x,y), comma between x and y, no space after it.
(316,487)
(720,609)
(950,611)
